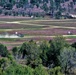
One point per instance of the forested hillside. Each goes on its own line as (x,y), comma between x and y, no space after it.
(37,7)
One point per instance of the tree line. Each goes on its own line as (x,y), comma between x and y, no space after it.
(53,7)
(54,57)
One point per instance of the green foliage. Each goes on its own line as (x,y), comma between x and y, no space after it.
(58,3)
(44,48)
(8,6)
(74,45)
(54,5)
(55,71)
(3,50)
(56,45)
(15,52)
(52,57)
(33,2)
(40,70)
(19,70)
(31,51)
(45,7)
(1,73)
(24,49)
(11,58)
(4,62)
(67,59)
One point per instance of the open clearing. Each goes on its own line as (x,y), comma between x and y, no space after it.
(36,30)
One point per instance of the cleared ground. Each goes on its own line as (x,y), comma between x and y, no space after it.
(36,30)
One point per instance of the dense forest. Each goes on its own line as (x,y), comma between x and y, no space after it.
(37,8)
(54,57)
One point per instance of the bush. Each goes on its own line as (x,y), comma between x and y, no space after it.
(40,70)
(19,70)
(55,71)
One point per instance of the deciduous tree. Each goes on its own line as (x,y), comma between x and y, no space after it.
(67,59)
(3,50)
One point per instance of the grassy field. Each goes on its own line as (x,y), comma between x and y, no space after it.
(36,30)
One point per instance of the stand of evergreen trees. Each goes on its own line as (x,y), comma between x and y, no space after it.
(53,7)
